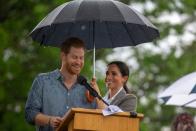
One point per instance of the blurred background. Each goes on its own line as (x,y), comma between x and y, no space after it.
(154,66)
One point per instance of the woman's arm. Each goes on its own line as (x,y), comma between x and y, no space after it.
(128,103)
(100,104)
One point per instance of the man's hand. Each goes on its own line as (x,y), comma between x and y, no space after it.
(55,121)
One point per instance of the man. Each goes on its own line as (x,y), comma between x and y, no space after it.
(54,93)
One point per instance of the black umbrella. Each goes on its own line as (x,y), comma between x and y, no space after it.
(99,23)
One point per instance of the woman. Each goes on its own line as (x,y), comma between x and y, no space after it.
(118,94)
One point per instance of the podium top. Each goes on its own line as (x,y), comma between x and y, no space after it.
(70,114)
(99,111)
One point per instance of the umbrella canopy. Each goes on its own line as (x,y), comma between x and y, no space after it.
(182,100)
(182,92)
(99,23)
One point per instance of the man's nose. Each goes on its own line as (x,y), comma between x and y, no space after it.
(78,61)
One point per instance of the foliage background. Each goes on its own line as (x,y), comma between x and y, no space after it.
(22,59)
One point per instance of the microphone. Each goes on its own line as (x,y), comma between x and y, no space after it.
(133,114)
(82,80)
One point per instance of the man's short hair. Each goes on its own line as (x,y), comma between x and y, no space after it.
(72,42)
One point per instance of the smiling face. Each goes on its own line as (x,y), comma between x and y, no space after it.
(114,78)
(73,62)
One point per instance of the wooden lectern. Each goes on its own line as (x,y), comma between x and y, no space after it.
(79,119)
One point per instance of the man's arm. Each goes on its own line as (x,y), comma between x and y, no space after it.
(42,120)
(34,106)
(34,102)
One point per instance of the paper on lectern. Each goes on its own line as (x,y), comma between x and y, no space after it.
(111,109)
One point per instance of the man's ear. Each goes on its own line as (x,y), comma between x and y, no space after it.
(62,54)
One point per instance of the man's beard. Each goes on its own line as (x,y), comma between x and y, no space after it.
(72,71)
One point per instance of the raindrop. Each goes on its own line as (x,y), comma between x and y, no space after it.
(83,27)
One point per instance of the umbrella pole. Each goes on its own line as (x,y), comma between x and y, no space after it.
(93,49)
(94,61)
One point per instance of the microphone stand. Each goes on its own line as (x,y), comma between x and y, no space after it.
(82,80)
(100,98)
(94,93)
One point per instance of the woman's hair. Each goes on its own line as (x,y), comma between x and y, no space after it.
(185,120)
(124,70)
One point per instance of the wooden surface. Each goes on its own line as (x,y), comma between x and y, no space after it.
(79,119)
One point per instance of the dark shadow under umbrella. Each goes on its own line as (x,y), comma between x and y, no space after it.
(99,23)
